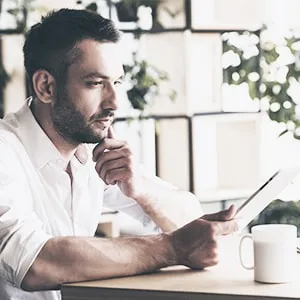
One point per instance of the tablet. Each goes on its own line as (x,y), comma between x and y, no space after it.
(268,192)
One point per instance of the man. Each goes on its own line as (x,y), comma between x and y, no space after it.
(52,188)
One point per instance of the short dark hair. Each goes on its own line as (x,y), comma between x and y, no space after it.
(51,43)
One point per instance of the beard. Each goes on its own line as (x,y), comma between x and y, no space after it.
(71,123)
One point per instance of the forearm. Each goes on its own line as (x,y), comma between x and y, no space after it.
(69,259)
(169,208)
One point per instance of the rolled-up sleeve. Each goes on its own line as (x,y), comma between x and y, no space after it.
(115,199)
(21,232)
(21,239)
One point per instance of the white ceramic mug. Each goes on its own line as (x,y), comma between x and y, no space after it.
(275,252)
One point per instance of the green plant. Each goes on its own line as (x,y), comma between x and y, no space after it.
(145,81)
(127,9)
(279,212)
(271,71)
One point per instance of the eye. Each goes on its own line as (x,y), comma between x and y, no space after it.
(95,83)
(118,82)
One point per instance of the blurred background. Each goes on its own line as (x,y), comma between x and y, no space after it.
(211,96)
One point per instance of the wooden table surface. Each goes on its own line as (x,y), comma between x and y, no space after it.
(227,280)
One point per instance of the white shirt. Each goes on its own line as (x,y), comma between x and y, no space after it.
(37,200)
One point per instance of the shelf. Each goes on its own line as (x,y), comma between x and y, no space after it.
(223,30)
(220,114)
(11,31)
(154,31)
(192,30)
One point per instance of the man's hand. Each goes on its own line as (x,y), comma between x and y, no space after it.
(114,165)
(195,244)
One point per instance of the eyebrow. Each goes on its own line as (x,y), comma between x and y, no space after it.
(99,75)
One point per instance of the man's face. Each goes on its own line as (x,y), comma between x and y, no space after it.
(84,107)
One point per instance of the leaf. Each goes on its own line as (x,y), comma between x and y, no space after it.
(4,77)
(92,6)
(227,74)
(270,55)
(173,95)
(14,11)
(293,72)
(283,132)
(250,65)
(136,98)
(253,89)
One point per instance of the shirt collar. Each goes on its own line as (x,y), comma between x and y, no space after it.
(39,147)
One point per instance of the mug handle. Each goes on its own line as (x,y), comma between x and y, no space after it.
(246,236)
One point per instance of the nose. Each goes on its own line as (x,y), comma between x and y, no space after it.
(110,97)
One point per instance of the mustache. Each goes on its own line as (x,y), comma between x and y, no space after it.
(107,113)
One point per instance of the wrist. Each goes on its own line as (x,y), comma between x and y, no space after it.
(171,256)
(140,190)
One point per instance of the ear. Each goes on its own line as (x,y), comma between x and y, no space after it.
(44,85)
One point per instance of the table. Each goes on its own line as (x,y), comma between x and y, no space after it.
(228,280)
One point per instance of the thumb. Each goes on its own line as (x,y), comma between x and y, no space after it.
(223,215)
(111,133)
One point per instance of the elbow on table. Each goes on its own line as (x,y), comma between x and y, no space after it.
(47,271)
(35,281)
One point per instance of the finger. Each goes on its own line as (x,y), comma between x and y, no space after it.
(108,156)
(225,227)
(112,155)
(114,164)
(108,144)
(223,215)
(117,175)
(111,133)
(231,211)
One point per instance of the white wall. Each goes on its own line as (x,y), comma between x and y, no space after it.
(227,13)
(15,92)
